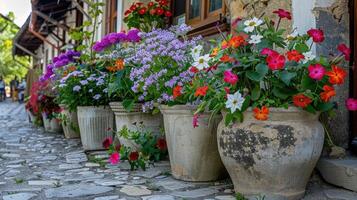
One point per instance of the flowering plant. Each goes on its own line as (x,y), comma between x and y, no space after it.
(151,148)
(146,18)
(260,67)
(160,62)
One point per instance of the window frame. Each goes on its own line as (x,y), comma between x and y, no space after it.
(111,16)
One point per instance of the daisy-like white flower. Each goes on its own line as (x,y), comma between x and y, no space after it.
(291,36)
(234,101)
(255,39)
(196,52)
(201,62)
(251,24)
(308,57)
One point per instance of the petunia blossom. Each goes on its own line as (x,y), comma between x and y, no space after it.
(316,72)
(114,158)
(351,104)
(230,77)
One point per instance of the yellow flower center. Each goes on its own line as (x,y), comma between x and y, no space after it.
(252,24)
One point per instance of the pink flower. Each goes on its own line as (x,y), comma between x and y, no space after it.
(283,13)
(114,158)
(351,104)
(317,35)
(107,142)
(276,61)
(268,52)
(195,120)
(316,71)
(230,77)
(345,51)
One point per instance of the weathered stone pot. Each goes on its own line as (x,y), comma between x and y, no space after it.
(94,123)
(193,151)
(46,122)
(56,126)
(132,120)
(70,124)
(272,158)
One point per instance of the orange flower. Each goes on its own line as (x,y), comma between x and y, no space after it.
(177,91)
(226,58)
(294,56)
(214,52)
(261,114)
(201,91)
(65,73)
(224,44)
(337,75)
(72,68)
(237,41)
(300,100)
(328,93)
(119,65)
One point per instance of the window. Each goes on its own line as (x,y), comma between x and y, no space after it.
(111,15)
(202,15)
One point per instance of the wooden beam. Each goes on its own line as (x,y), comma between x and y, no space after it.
(38,35)
(80,8)
(49,19)
(26,50)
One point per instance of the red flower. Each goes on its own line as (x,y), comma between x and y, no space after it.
(161,144)
(114,158)
(133,7)
(317,35)
(150,4)
(351,104)
(300,100)
(276,61)
(226,58)
(230,77)
(261,114)
(201,91)
(142,11)
(337,75)
(133,156)
(237,41)
(195,120)
(328,93)
(294,56)
(194,69)
(168,14)
(227,90)
(127,12)
(159,11)
(283,13)
(268,52)
(107,142)
(117,147)
(153,12)
(345,51)
(177,91)
(163,2)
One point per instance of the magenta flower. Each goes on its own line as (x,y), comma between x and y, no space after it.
(345,51)
(351,104)
(230,77)
(316,71)
(195,121)
(107,142)
(317,35)
(114,158)
(268,52)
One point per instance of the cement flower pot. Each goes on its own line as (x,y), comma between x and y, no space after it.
(56,126)
(70,124)
(193,151)
(46,122)
(133,119)
(94,123)
(32,118)
(273,158)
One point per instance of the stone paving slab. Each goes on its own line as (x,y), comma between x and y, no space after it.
(36,165)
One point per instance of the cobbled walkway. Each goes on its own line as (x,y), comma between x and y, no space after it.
(39,165)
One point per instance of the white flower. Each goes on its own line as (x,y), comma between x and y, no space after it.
(255,39)
(292,35)
(201,62)
(234,101)
(251,24)
(196,52)
(308,57)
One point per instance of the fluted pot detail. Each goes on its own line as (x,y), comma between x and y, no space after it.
(94,123)
(70,125)
(272,158)
(46,122)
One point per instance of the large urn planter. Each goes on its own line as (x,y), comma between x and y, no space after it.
(56,126)
(193,151)
(134,119)
(272,158)
(70,124)
(46,122)
(94,123)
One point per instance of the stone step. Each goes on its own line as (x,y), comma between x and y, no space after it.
(342,172)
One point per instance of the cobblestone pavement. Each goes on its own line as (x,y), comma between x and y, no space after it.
(39,165)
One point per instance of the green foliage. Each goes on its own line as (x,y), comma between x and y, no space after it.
(10,68)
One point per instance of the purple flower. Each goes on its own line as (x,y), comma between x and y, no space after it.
(76,88)
(97,96)
(133,35)
(84,82)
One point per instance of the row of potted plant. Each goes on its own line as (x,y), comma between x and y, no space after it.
(249,104)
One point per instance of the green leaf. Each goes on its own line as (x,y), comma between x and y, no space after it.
(324,107)
(229,118)
(256,93)
(310,109)
(307,83)
(262,69)
(287,76)
(279,93)
(246,103)
(254,76)
(302,47)
(128,104)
